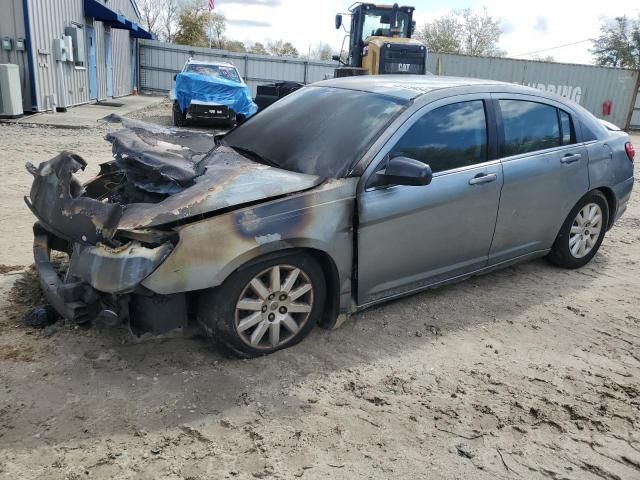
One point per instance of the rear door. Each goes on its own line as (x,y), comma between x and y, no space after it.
(410,237)
(545,174)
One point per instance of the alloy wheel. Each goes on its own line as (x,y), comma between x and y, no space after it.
(585,230)
(274,306)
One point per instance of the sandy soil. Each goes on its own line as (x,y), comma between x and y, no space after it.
(529,372)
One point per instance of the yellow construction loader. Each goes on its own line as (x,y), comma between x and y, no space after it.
(380,42)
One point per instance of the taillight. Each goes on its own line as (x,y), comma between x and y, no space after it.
(631,152)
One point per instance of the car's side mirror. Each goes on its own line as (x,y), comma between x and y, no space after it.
(404,171)
(175,77)
(413,28)
(338,21)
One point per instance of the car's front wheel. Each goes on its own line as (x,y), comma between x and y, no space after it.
(267,306)
(582,232)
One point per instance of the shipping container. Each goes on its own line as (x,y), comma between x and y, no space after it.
(609,93)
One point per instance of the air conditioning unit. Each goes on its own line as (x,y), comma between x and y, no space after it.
(10,91)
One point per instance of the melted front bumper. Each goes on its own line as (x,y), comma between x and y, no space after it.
(104,284)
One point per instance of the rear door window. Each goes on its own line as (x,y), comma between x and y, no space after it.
(448,137)
(529,126)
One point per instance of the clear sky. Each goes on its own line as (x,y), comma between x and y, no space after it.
(528,26)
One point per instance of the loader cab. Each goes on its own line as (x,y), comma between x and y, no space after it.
(380,41)
(384,22)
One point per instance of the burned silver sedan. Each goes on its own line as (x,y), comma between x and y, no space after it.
(346,193)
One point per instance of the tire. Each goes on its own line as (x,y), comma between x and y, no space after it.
(269,308)
(578,241)
(179,118)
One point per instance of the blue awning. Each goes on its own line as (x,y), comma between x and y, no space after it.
(102,13)
(138,32)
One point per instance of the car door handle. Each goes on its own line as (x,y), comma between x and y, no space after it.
(570,158)
(483,178)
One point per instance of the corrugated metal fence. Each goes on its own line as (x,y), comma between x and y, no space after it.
(160,61)
(590,86)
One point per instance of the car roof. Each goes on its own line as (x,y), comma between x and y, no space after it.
(406,87)
(209,62)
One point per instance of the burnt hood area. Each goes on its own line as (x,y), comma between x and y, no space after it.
(158,176)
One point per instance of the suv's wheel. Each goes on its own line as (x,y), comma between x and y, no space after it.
(582,232)
(265,307)
(179,118)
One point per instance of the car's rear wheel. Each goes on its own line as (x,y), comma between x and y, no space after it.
(179,118)
(582,232)
(265,307)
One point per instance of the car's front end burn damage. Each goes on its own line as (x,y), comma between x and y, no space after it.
(119,227)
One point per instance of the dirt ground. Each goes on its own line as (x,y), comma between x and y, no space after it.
(529,372)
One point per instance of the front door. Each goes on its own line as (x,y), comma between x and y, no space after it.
(109,64)
(545,174)
(410,237)
(92,64)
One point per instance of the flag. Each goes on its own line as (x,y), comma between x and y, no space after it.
(212,4)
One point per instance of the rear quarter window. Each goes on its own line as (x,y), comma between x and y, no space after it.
(568,130)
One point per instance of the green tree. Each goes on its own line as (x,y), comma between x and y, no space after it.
(619,43)
(192,22)
(469,32)
(281,48)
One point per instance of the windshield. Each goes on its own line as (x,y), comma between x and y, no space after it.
(214,71)
(383,23)
(316,130)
